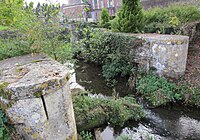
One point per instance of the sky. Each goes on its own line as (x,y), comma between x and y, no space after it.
(44,1)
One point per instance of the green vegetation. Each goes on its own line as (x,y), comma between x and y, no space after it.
(13,47)
(100,110)
(130,16)
(159,91)
(3,91)
(3,28)
(170,19)
(85,135)
(105,18)
(111,50)
(5,128)
(33,35)
(11,11)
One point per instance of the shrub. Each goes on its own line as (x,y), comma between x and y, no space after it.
(105,18)
(115,111)
(115,24)
(158,91)
(13,47)
(111,50)
(170,19)
(130,16)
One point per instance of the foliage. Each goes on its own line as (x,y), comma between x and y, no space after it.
(170,19)
(13,47)
(5,128)
(85,135)
(111,50)
(192,96)
(130,16)
(3,28)
(11,11)
(115,24)
(116,111)
(105,17)
(39,31)
(157,90)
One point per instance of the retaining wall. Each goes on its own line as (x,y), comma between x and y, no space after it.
(166,53)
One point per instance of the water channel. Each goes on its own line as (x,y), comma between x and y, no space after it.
(164,123)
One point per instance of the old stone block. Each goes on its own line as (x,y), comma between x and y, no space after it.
(39,102)
(166,53)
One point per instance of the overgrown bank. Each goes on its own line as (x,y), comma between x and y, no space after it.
(113,52)
(101,111)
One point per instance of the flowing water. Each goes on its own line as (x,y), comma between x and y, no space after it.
(170,123)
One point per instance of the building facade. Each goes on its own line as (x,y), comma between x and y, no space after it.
(91,9)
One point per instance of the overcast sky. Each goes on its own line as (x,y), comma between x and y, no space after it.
(44,1)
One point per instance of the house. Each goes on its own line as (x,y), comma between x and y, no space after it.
(76,9)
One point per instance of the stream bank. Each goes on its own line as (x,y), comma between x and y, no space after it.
(162,123)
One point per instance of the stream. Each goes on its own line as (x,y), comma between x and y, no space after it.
(173,122)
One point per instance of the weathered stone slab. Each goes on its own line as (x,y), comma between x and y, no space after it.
(35,95)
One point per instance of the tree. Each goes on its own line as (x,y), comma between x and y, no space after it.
(130,16)
(104,17)
(10,11)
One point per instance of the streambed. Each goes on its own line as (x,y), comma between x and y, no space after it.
(170,123)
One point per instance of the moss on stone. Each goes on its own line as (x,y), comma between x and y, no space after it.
(5,94)
(35,61)
(38,94)
(19,70)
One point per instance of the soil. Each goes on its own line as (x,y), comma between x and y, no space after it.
(192,74)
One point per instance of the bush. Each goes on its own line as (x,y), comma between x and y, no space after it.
(130,16)
(158,91)
(115,111)
(13,47)
(105,18)
(170,19)
(115,24)
(111,50)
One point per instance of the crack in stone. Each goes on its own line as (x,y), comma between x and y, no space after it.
(45,108)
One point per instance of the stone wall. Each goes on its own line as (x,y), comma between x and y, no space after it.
(35,94)
(165,53)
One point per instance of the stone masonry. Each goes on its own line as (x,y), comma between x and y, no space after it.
(35,94)
(166,53)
